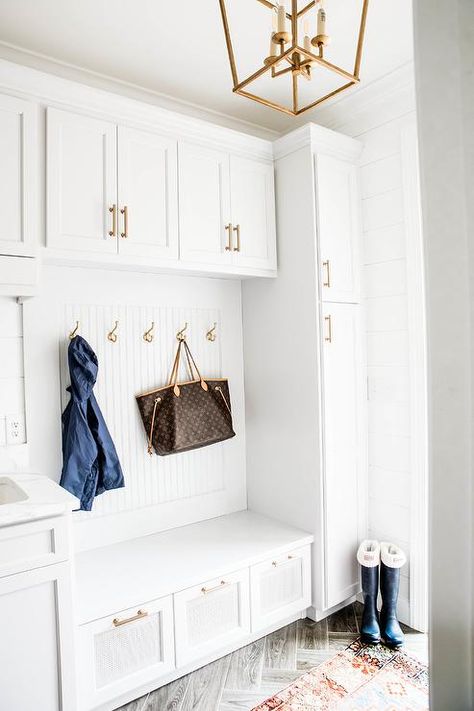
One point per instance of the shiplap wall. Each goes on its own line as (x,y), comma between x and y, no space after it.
(390,406)
(12,399)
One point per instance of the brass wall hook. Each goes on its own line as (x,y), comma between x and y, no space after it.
(211,334)
(181,336)
(149,335)
(112,335)
(73,333)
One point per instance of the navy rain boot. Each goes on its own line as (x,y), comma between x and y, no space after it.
(392,559)
(368,556)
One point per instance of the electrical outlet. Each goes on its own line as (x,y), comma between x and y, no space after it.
(15,429)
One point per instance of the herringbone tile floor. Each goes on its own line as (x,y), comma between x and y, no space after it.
(243,679)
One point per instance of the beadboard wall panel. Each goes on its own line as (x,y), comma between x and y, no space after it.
(160,492)
(132,366)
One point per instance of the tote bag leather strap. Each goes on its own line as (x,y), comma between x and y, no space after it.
(192,367)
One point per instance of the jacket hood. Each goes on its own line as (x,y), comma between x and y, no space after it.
(83,367)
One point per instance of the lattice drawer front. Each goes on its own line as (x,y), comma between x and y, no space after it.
(128,649)
(281,585)
(280,588)
(213,614)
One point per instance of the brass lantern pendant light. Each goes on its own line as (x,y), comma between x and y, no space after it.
(289,54)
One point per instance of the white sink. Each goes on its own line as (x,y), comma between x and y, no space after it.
(10,492)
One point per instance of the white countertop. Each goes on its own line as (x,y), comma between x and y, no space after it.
(44,498)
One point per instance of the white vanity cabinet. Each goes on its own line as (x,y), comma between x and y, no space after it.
(36,643)
(110,190)
(36,617)
(226,209)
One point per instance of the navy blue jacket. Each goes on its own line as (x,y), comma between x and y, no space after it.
(90,461)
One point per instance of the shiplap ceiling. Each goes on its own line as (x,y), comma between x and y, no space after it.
(178,48)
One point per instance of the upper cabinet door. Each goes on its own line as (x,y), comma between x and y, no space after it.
(253,213)
(204,205)
(338,228)
(82,183)
(147,194)
(17,139)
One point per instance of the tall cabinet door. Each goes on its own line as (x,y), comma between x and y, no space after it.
(147,194)
(36,641)
(17,138)
(204,205)
(338,228)
(341,371)
(253,213)
(81,183)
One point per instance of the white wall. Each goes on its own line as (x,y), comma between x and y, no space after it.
(12,401)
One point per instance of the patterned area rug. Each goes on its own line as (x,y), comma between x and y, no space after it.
(372,678)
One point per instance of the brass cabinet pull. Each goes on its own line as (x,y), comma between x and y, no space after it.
(124,212)
(328,336)
(326,266)
(139,616)
(229,239)
(113,231)
(237,230)
(205,591)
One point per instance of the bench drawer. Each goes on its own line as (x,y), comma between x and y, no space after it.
(280,587)
(123,651)
(25,546)
(211,615)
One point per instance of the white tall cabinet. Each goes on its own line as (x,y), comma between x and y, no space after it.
(303,356)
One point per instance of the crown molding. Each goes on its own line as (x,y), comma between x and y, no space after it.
(320,140)
(370,105)
(110,102)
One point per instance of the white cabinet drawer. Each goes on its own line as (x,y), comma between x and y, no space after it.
(123,651)
(211,615)
(280,587)
(33,545)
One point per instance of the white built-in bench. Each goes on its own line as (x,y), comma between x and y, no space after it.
(154,608)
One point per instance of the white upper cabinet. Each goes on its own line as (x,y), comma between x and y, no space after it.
(227,209)
(204,205)
(253,213)
(17,167)
(338,228)
(82,183)
(133,192)
(147,194)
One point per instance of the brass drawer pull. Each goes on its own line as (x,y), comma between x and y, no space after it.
(124,212)
(328,336)
(237,230)
(229,239)
(205,591)
(113,231)
(327,266)
(139,616)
